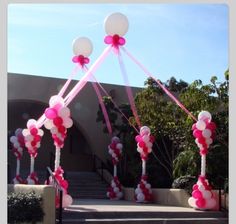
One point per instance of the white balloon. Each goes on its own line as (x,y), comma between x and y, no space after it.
(28,144)
(206,133)
(201,125)
(108,193)
(64,112)
(48,124)
(146,138)
(206,194)
(13,139)
(201,188)
(31,122)
(115,139)
(149,150)
(38,145)
(116,189)
(25,132)
(113,184)
(67,122)
(140,197)
(82,46)
(119,146)
(16,144)
(66,200)
(209,141)
(204,115)
(116,23)
(18,131)
(40,132)
(55,100)
(29,138)
(192,202)
(148,186)
(145,130)
(54,130)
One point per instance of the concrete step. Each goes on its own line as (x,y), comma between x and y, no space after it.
(150,221)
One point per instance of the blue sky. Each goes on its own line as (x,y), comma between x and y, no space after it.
(187,41)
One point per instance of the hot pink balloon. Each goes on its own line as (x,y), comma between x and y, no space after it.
(197,194)
(50,113)
(201,202)
(197,133)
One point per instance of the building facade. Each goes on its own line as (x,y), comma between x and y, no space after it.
(28,97)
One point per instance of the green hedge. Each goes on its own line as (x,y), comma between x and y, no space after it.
(24,207)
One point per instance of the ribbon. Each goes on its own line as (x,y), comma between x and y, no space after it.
(159,83)
(128,90)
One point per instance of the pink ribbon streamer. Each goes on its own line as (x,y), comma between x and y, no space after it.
(128,90)
(158,82)
(104,110)
(63,89)
(117,107)
(70,96)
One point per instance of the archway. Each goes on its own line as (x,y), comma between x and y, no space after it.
(76,153)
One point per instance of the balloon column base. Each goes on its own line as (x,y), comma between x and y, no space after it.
(32,179)
(18,180)
(114,191)
(66,198)
(202,196)
(143,192)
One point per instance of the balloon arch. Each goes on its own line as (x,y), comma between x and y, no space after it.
(57,119)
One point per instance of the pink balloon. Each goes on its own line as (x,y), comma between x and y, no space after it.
(195,187)
(197,194)
(194,126)
(197,133)
(50,113)
(201,202)
(138,138)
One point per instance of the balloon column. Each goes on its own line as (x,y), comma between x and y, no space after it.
(143,192)
(58,120)
(203,131)
(115,150)
(32,135)
(18,143)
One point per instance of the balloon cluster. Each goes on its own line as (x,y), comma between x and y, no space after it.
(58,120)
(32,136)
(115,191)
(81,60)
(115,40)
(144,142)
(204,131)
(115,149)
(202,196)
(143,192)
(18,143)
(66,199)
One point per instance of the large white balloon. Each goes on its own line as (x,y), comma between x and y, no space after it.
(82,46)
(116,23)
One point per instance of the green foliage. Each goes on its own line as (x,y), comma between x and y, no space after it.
(185,182)
(24,207)
(175,152)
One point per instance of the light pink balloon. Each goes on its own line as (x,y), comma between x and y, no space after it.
(67,200)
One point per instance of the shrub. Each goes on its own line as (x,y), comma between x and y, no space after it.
(24,207)
(185,182)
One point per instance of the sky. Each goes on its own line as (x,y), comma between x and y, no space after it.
(187,41)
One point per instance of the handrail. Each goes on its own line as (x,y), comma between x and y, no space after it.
(58,188)
(102,165)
